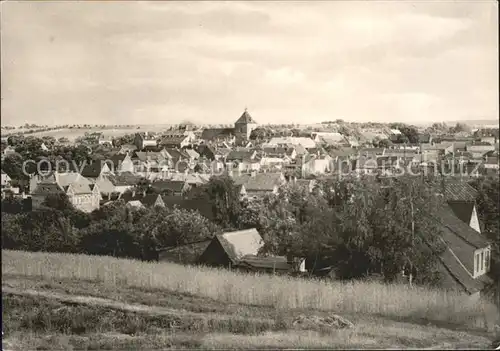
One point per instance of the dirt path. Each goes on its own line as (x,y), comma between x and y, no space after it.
(108,303)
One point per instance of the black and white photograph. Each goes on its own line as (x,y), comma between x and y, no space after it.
(250,175)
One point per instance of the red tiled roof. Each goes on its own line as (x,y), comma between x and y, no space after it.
(456,190)
(240,243)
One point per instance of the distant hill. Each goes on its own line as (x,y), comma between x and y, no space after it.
(477,122)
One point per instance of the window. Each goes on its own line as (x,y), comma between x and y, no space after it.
(482,261)
(487,263)
(477,263)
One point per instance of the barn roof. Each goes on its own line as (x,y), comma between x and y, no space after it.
(240,243)
(454,225)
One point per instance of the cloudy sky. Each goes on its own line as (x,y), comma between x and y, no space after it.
(167,62)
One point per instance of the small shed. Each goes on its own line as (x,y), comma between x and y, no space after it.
(226,250)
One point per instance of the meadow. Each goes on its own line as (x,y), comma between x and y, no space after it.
(74,133)
(223,308)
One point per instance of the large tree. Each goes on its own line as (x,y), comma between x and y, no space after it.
(225,198)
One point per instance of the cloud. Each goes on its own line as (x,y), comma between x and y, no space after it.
(205,61)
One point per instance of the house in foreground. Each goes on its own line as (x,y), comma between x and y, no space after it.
(465,262)
(239,250)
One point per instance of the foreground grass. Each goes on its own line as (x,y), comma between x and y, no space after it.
(282,292)
(34,323)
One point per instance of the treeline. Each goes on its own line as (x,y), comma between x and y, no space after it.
(114,229)
(357,226)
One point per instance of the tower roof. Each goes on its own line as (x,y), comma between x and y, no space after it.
(245,118)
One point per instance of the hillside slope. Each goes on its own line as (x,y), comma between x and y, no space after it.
(42,309)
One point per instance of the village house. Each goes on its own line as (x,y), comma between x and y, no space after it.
(239,250)
(466,259)
(95,169)
(121,182)
(351,141)
(192,154)
(145,200)
(242,161)
(276,157)
(342,155)
(82,193)
(105,140)
(143,140)
(284,153)
(225,250)
(5,180)
(479,149)
(127,149)
(93,138)
(206,151)
(44,147)
(313,164)
(367,136)
(170,187)
(371,152)
(491,162)
(177,139)
(180,159)
(192,179)
(291,141)
(222,152)
(255,184)
(328,138)
(9,150)
(217,135)
(122,163)
(488,135)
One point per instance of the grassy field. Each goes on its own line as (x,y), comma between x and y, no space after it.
(89,302)
(72,134)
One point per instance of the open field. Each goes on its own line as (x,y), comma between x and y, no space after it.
(99,302)
(74,133)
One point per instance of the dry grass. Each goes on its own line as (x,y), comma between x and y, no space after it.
(285,293)
(72,134)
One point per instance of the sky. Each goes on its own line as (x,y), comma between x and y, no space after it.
(287,62)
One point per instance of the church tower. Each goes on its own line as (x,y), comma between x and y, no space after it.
(243,127)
